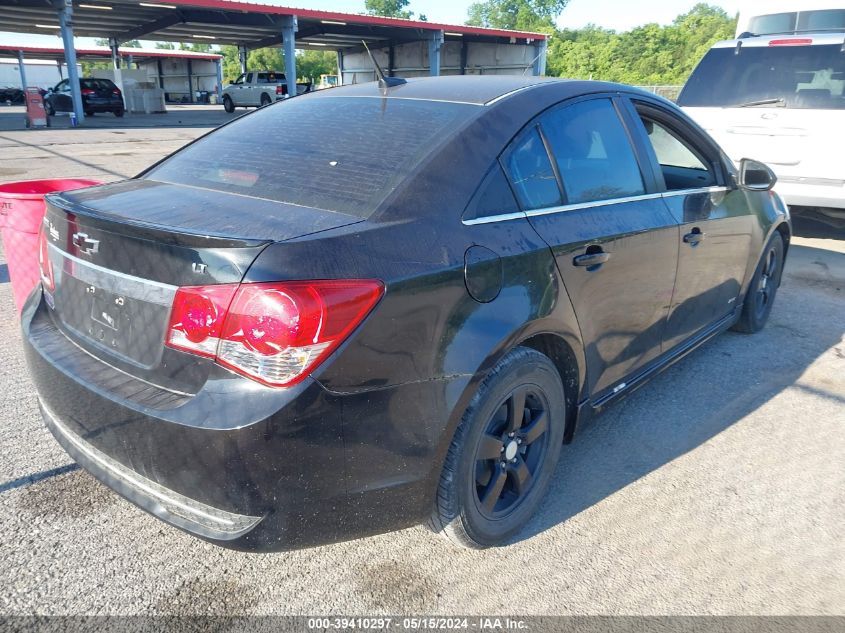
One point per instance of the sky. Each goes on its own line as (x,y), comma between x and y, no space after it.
(620,15)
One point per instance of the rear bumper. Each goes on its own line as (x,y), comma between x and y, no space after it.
(810,194)
(238,464)
(168,505)
(102,105)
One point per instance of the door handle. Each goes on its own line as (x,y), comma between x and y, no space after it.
(694,237)
(591,259)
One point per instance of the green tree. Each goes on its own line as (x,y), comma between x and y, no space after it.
(195,48)
(389,8)
(651,54)
(529,15)
(311,64)
(130,44)
(169,46)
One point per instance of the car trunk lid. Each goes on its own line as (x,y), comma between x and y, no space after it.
(118,254)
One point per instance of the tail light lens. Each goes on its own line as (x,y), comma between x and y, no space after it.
(44,264)
(87,92)
(275,333)
(281,89)
(116,92)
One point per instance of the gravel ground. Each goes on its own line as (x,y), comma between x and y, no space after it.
(719,488)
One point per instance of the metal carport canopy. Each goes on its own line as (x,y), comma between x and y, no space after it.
(245,24)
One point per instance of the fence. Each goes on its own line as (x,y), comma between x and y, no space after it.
(669,92)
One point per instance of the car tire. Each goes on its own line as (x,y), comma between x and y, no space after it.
(51,111)
(119,112)
(265,99)
(764,285)
(482,497)
(228,104)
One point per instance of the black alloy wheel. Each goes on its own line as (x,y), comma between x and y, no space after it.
(511,452)
(502,457)
(764,285)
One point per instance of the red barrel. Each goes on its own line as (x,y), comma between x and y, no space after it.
(21,213)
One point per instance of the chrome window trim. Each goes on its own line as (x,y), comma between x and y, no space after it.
(687,192)
(487,219)
(592,204)
(589,205)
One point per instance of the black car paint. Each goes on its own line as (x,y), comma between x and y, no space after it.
(104,99)
(357,448)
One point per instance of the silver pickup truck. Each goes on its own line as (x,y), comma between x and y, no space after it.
(258,88)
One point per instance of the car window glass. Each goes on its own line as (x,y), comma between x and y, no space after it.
(791,77)
(352,174)
(493,197)
(61,86)
(531,173)
(239,80)
(681,166)
(593,153)
(249,78)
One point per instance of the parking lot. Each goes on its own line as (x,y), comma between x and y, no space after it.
(719,488)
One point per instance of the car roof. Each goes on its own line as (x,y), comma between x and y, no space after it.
(765,40)
(471,89)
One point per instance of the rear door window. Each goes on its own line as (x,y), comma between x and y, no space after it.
(493,198)
(347,154)
(531,172)
(593,152)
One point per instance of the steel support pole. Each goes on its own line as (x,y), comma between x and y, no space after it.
(242,53)
(219,79)
(22,70)
(115,52)
(540,60)
(289,28)
(435,42)
(190,82)
(339,67)
(66,23)
(61,72)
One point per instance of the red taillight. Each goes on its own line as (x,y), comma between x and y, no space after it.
(792,41)
(87,92)
(116,92)
(44,263)
(275,333)
(196,319)
(281,89)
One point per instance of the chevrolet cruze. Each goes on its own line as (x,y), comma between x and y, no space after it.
(319,341)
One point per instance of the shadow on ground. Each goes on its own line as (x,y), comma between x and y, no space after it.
(715,387)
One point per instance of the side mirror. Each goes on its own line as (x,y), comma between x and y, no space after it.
(755,176)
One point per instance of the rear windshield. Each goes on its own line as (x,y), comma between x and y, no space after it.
(800,21)
(270,78)
(98,84)
(341,154)
(778,76)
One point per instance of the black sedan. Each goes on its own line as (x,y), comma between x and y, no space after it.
(98,95)
(273,344)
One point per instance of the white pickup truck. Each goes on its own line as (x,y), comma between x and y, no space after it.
(258,88)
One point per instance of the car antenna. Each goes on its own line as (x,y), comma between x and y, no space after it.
(384,81)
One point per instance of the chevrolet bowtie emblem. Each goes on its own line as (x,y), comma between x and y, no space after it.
(85,244)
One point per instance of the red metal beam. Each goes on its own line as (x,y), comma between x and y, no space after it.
(349,18)
(104,52)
